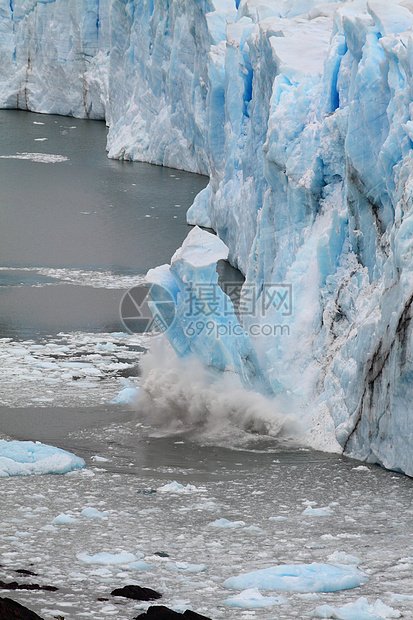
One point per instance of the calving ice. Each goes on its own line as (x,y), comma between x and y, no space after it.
(300,113)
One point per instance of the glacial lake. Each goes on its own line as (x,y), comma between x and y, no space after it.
(76,231)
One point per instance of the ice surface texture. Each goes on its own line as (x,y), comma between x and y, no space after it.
(301,115)
(22,458)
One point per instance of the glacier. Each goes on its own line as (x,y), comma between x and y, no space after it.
(300,113)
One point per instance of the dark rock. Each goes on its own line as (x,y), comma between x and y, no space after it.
(23,571)
(10,610)
(132,371)
(137,593)
(161,554)
(159,612)
(101,598)
(13,585)
(192,615)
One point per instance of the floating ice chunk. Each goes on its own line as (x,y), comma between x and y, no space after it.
(106,558)
(185,567)
(23,458)
(102,572)
(317,512)
(360,610)
(251,598)
(402,597)
(93,513)
(63,519)
(253,528)
(108,346)
(300,578)
(140,566)
(360,468)
(126,396)
(225,523)
(342,557)
(100,459)
(176,487)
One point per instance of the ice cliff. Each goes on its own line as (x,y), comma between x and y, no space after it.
(300,113)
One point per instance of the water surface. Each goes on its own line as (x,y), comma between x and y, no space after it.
(86,213)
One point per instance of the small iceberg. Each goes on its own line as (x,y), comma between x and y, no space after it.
(63,519)
(25,458)
(359,610)
(177,487)
(93,513)
(300,578)
(226,524)
(105,558)
(126,396)
(249,599)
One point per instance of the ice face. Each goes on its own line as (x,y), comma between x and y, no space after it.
(205,323)
(300,112)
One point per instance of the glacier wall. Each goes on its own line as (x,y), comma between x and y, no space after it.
(300,112)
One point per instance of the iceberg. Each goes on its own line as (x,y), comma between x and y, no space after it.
(300,578)
(24,458)
(300,113)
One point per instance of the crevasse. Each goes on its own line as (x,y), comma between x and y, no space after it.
(300,113)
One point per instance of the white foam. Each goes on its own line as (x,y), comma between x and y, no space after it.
(80,277)
(40,158)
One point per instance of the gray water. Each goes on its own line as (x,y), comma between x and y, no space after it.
(86,213)
(73,237)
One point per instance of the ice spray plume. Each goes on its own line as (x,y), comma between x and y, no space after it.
(181,394)
(212,379)
(215,380)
